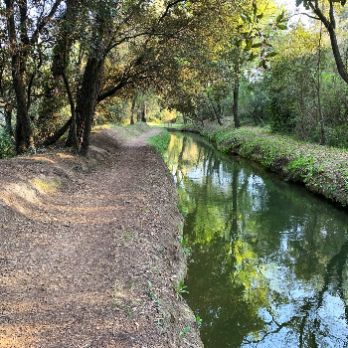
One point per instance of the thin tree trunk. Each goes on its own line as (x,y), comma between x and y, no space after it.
(54,90)
(72,137)
(58,134)
(235,108)
(330,25)
(215,112)
(132,122)
(320,112)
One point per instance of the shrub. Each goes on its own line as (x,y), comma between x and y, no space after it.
(6,145)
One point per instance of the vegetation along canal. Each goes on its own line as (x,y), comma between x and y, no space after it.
(268,260)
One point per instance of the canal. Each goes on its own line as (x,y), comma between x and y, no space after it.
(267,259)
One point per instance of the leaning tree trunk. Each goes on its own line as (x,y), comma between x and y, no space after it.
(86,104)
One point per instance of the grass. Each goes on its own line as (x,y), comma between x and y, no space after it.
(160,142)
(322,169)
(125,132)
(181,288)
(46,185)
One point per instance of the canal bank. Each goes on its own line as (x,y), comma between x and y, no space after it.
(268,260)
(321,169)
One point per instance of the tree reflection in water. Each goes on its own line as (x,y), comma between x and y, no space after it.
(269,260)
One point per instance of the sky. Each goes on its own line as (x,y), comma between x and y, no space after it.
(290,5)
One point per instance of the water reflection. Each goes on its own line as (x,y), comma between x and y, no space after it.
(269,261)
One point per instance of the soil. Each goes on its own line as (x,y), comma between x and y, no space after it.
(89,251)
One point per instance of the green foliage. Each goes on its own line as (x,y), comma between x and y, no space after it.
(199,321)
(301,163)
(6,145)
(185,246)
(181,288)
(322,169)
(160,142)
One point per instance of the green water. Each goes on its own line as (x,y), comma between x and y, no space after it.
(268,261)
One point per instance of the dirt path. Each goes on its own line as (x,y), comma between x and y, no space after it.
(89,251)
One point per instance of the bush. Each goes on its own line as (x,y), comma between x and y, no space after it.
(6,145)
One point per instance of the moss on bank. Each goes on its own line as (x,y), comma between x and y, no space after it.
(323,170)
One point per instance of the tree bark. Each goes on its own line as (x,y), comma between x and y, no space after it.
(23,135)
(144,114)
(320,111)
(86,102)
(54,90)
(132,122)
(58,134)
(235,107)
(330,25)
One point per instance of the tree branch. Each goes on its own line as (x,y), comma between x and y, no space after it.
(43,22)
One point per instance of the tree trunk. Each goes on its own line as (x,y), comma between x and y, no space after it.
(132,121)
(144,113)
(215,112)
(337,54)
(320,111)
(235,108)
(86,103)
(53,99)
(23,136)
(330,25)
(58,134)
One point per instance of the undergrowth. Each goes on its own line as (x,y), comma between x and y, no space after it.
(6,145)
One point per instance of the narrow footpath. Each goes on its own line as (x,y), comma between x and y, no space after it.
(89,251)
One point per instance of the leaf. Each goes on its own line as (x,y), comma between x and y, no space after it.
(282,26)
(245,17)
(271,54)
(280,18)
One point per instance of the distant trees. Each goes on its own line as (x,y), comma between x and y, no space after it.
(63,58)
(62,62)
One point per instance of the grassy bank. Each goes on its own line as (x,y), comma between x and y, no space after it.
(323,170)
(160,142)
